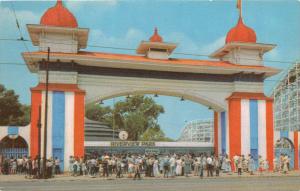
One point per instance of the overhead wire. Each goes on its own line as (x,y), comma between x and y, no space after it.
(19,29)
(133,49)
(23,40)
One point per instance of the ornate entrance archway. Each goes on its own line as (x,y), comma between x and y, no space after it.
(285,146)
(13,146)
(232,85)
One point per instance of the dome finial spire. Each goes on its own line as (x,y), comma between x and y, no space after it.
(156,37)
(59,16)
(59,2)
(239,7)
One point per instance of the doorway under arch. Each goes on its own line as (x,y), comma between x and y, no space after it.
(285,146)
(13,146)
(203,108)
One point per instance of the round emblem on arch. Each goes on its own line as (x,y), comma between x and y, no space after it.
(123,135)
(13,136)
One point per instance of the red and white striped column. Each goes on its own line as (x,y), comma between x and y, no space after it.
(65,130)
(246,127)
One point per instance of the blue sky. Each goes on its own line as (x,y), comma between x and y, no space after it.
(198,26)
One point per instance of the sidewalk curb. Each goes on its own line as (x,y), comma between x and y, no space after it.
(69,178)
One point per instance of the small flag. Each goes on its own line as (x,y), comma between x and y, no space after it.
(239,6)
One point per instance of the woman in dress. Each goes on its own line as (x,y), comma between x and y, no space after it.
(196,167)
(187,166)
(178,167)
(71,163)
(251,165)
(228,164)
(266,165)
(130,169)
(161,165)
(14,166)
(261,164)
(155,168)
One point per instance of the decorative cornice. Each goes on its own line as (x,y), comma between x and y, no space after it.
(58,87)
(247,95)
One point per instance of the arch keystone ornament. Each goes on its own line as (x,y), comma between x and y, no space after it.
(231,85)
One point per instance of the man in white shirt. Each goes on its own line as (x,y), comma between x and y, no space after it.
(209,162)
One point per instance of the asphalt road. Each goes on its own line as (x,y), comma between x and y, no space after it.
(178,184)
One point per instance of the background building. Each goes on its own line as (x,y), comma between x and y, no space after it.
(286,115)
(198,131)
(99,131)
(287,101)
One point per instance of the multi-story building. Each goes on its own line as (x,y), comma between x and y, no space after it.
(198,131)
(287,101)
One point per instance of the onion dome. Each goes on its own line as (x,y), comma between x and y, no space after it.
(156,37)
(241,33)
(59,16)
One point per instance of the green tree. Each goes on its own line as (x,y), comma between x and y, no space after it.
(135,115)
(24,119)
(10,108)
(98,113)
(154,134)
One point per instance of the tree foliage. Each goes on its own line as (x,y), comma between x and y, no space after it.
(135,115)
(154,134)
(99,113)
(12,112)
(23,119)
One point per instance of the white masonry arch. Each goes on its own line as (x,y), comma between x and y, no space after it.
(210,94)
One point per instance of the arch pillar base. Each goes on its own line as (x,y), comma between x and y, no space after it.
(65,129)
(249,127)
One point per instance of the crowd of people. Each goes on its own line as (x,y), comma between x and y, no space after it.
(29,167)
(133,165)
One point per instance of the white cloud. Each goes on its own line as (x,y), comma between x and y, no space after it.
(188,45)
(129,40)
(133,36)
(185,43)
(272,55)
(215,45)
(8,22)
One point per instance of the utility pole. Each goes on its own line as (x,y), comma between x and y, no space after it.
(46,116)
(39,142)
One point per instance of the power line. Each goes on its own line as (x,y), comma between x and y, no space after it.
(19,29)
(119,48)
(12,63)
(133,49)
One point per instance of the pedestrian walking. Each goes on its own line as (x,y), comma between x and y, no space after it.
(137,173)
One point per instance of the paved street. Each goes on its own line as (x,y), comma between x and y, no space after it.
(257,183)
